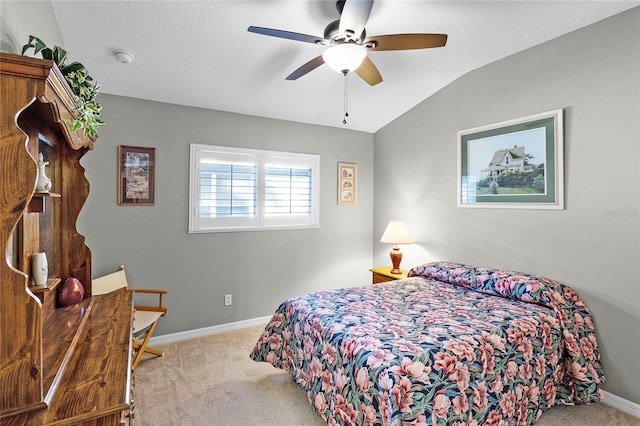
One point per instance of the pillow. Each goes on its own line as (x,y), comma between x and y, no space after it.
(448,272)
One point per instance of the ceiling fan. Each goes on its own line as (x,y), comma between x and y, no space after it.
(348,43)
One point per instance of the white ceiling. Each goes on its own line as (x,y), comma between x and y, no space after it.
(199,53)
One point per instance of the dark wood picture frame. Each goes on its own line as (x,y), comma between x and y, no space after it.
(136,175)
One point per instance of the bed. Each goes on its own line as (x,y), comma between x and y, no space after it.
(451,344)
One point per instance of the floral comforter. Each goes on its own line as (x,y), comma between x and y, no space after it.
(451,344)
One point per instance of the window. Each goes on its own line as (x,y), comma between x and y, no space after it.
(236,189)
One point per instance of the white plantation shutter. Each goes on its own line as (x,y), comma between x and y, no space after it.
(245,189)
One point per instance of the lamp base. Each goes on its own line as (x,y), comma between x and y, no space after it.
(396,258)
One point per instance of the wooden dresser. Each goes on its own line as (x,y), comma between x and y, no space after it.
(58,365)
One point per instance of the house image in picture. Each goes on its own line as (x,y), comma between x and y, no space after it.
(507,159)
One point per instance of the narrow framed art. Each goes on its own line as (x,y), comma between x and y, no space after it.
(517,164)
(347,184)
(136,175)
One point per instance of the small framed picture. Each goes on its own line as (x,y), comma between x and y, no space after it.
(136,175)
(347,184)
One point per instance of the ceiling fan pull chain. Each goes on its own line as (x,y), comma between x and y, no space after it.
(346,97)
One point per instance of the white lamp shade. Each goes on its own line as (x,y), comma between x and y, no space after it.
(344,57)
(396,233)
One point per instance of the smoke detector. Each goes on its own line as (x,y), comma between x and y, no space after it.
(123,56)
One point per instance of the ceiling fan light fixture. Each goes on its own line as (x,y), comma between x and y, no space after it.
(344,57)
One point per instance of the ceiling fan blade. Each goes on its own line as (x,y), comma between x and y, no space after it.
(286,34)
(405,41)
(354,17)
(308,67)
(368,72)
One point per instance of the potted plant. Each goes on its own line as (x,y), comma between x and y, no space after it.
(81,83)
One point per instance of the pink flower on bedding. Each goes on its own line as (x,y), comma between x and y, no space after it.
(286,334)
(445,362)
(413,368)
(578,321)
(277,320)
(527,327)
(384,408)
(441,404)
(508,404)
(351,346)
(587,349)
(330,354)
(461,349)
(525,371)
(480,399)
(275,341)
(495,419)
(362,379)
(345,411)
(309,347)
(385,381)
(494,340)
(370,415)
(511,369)
(403,395)
(317,328)
(340,379)
(301,378)
(589,323)
(460,404)
(505,285)
(533,286)
(297,331)
(315,368)
(320,403)
(486,359)
(533,392)
(578,372)
(546,335)
(327,380)
(549,392)
(272,358)
(379,357)
(461,376)
(540,365)
(594,373)
(409,347)
(497,385)
(570,343)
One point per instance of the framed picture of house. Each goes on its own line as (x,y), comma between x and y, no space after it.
(513,164)
(347,184)
(136,175)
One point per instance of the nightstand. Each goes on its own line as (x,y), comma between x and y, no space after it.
(381,275)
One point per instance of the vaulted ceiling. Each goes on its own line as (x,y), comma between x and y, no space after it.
(199,53)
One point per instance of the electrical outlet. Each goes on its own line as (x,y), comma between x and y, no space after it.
(227,300)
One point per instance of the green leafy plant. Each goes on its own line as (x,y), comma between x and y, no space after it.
(81,83)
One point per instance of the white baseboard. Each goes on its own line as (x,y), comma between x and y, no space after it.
(615,401)
(621,404)
(207,331)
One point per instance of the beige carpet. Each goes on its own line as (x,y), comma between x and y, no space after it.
(212,381)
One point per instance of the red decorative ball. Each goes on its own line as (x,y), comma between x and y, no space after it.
(71,293)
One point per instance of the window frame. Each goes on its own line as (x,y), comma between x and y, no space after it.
(261,221)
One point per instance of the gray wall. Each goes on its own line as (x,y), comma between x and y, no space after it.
(594,244)
(260,268)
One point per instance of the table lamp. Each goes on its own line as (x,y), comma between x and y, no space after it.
(396,233)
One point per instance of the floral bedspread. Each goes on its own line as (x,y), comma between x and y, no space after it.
(451,344)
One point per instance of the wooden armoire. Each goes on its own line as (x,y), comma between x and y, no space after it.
(58,365)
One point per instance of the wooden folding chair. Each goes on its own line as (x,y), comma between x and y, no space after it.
(145,318)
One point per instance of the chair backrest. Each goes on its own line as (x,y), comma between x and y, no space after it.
(108,283)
